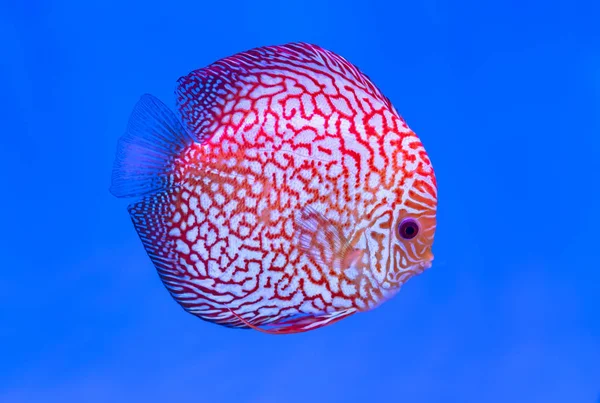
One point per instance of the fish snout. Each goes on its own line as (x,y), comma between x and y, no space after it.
(427,259)
(426,265)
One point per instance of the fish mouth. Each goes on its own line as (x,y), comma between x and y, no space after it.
(421,267)
(427,262)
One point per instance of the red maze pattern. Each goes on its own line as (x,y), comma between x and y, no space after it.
(281,128)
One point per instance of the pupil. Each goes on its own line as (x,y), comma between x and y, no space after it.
(409,229)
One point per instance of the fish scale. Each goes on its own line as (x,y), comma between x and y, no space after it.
(288,175)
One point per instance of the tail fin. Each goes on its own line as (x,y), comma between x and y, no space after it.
(147,151)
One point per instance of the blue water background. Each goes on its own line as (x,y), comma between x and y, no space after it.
(504,95)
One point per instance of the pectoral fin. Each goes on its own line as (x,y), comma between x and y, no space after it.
(323,241)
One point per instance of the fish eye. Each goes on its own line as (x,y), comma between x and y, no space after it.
(408,228)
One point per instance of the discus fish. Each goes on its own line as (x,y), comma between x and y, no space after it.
(286,195)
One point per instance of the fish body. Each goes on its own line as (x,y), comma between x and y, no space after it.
(287,195)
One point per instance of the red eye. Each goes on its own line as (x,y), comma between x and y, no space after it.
(408,228)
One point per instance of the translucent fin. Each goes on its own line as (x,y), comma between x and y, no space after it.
(322,240)
(147,151)
(299,323)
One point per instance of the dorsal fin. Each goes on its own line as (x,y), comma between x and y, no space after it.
(202,94)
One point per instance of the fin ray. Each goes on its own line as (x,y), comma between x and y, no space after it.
(298,323)
(147,151)
(321,239)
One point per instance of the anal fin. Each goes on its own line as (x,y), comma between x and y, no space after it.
(299,323)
